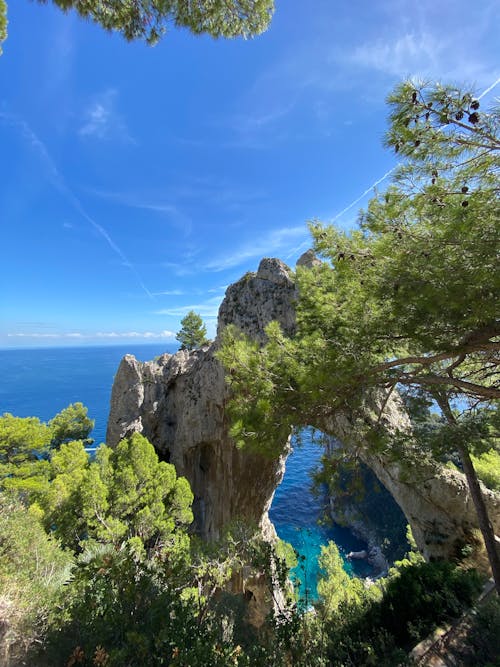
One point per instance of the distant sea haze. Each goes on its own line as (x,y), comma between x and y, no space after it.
(41,382)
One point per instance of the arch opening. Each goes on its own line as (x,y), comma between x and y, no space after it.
(305,518)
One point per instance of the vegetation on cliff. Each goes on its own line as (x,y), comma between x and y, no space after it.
(408,300)
(97,567)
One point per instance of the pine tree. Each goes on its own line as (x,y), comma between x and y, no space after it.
(193,333)
(149,19)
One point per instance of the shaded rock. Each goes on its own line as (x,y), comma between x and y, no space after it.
(435,500)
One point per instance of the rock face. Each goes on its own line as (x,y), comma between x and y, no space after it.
(259,298)
(435,500)
(178,402)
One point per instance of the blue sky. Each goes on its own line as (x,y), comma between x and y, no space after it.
(136,183)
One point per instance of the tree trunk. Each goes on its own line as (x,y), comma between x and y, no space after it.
(477,497)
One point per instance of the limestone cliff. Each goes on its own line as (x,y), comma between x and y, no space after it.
(178,402)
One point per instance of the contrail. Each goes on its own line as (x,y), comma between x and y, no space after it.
(100,230)
(488,90)
(353,203)
(388,173)
(58,181)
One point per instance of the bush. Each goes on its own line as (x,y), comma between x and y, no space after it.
(33,572)
(415,600)
(487,466)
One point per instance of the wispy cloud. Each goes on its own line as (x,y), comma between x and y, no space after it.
(255,128)
(395,39)
(277,241)
(410,54)
(180,269)
(59,54)
(57,179)
(208,308)
(266,118)
(74,334)
(165,208)
(171,292)
(97,335)
(134,201)
(173,199)
(102,121)
(414,43)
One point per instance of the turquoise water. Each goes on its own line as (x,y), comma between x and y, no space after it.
(44,381)
(299,515)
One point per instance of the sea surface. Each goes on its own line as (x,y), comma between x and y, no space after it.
(41,382)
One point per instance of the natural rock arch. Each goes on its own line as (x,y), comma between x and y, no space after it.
(178,402)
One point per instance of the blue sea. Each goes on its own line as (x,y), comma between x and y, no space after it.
(41,382)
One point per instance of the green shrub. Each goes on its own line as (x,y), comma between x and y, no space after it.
(413,601)
(33,573)
(487,466)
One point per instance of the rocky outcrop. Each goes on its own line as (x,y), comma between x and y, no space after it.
(178,402)
(351,518)
(259,298)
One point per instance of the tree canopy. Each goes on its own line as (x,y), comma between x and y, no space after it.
(27,444)
(115,578)
(193,333)
(72,423)
(149,19)
(125,493)
(408,299)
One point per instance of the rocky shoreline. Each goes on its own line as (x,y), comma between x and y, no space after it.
(374,554)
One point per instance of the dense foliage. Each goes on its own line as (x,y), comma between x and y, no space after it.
(33,572)
(481,644)
(26,445)
(97,567)
(124,495)
(379,625)
(487,466)
(409,298)
(96,563)
(72,423)
(149,19)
